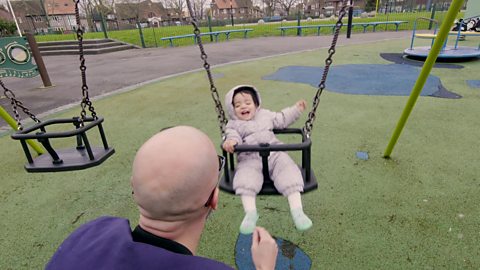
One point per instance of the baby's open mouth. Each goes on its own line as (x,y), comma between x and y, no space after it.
(245,113)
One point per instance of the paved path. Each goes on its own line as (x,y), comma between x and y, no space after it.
(107,73)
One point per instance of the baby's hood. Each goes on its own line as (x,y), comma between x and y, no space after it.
(229,99)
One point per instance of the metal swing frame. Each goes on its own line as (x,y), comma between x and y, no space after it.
(83,155)
(268,188)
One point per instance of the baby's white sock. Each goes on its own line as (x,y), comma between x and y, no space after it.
(249,222)
(302,222)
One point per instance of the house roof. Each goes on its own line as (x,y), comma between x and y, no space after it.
(53,7)
(141,9)
(5,15)
(58,7)
(224,4)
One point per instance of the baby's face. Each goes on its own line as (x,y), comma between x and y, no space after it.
(244,106)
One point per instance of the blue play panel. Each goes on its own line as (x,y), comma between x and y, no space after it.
(391,80)
(460,53)
(290,256)
(474,83)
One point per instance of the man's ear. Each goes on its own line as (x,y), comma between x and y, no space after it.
(214,202)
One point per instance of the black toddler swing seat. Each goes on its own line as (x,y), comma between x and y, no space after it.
(80,157)
(268,188)
(83,156)
(310,183)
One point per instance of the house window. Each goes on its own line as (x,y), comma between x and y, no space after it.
(224,11)
(151,15)
(38,19)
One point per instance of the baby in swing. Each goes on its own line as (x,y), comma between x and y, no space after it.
(251,124)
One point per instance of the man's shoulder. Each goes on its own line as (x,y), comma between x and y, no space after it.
(106,243)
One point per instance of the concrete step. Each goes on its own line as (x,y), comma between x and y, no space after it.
(89,51)
(75,46)
(73,42)
(92,46)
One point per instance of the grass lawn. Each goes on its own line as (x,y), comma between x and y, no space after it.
(152,36)
(418,210)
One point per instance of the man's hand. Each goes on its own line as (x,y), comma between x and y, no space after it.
(229,145)
(301,105)
(264,250)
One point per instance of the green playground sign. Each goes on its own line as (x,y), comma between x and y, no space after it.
(16,58)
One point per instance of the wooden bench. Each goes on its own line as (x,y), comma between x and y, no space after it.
(213,33)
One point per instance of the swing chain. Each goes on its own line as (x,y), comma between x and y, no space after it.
(222,120)
(85,96)
(17,103)
(321,86)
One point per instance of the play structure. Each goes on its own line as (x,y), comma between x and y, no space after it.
(448,52)
(83,155)
(264,150)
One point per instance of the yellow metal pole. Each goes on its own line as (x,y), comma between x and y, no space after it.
(9,119)
(422,77)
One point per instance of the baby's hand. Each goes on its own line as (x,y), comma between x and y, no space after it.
(301,105)
(229,145)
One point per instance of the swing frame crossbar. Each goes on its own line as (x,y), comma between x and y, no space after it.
(83,156)
(264,150)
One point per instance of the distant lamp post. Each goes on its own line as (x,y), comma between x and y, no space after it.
(231,11)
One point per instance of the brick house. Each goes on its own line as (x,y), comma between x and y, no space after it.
(316,8)
(58,15)
(145,11)
(5,14)
(240,9)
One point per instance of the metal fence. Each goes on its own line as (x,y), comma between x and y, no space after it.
(147,35)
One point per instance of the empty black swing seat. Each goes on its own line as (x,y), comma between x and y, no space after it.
(81,157)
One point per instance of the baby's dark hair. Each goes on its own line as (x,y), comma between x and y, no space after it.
(247,90)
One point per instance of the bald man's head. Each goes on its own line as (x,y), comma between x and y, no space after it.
(174,173)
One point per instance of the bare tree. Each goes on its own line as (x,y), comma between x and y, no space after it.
(199,7)
(177,5)
(92,7)
(269,7)
(287,5)
(129,10)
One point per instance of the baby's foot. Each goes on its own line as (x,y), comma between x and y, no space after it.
(249,222)
(302,222)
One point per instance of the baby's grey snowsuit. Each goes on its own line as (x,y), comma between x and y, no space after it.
(284,172)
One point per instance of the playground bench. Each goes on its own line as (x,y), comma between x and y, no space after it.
(283,29)
(213,33)
(365,25)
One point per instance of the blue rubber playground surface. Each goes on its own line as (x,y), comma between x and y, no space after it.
(474,83)
(381,80)
(290,256)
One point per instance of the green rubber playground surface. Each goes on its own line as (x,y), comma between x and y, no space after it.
(418,210)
